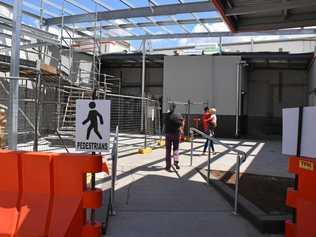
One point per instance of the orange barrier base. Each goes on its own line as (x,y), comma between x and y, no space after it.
(45,194)
(303,199)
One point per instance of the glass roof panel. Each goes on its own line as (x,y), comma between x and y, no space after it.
(186,16)
(115,4)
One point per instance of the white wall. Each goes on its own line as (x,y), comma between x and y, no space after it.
(209,79)
(312,85)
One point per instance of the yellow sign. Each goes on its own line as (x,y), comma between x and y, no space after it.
(306,165)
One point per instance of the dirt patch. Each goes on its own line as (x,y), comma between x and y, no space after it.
(266,192)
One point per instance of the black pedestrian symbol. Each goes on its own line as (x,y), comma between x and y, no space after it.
(93,118)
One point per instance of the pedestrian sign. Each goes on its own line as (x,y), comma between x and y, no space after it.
(93,125)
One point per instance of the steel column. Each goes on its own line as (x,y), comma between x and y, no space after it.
(143,84)
(237,100)
(14,73)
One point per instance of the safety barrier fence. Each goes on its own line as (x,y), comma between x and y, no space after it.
(241,157)
(302,198)
(37,111)
(47,194)
(43,107)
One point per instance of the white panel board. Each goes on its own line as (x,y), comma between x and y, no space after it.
(290,132)
(93,125)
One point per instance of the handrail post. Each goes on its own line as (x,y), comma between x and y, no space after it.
(237,172)
(237,169)
(191,155)
(209,163)
(114,169)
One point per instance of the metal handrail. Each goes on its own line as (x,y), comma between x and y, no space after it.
(238,162)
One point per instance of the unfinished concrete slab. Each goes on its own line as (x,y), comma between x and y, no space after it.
(153,202)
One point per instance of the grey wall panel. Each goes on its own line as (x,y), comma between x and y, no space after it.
(267,95)
(269,91)
(209,79)
(223,94)
(131,80)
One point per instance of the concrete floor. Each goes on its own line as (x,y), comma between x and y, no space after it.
(263,157)
(153,202)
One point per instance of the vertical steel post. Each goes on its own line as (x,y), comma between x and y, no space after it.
(145,123)
(252,44)
(92,213)
(114,167)
(60,64)
(14,73)
(209,162)
(191,154)
(220,45)
(143,84)
(37,102)
(189,118)
(237,100)
(235,212)
(159,120)
(38,85)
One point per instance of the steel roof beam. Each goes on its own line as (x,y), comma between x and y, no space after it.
(269,7)
(148,18)
(212,34)
(160,23)
(30,31)
(170,9)
(24,12)
(172,18)
(8,36)
(37,8)
(197,19)
(277,22)
(108,8)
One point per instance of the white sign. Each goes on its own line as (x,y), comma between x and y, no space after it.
(93,125)
(290,132)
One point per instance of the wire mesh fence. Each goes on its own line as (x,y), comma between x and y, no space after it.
(45,108)
(36,112)
(127,113)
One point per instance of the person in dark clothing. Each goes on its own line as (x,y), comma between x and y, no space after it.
(173,124)
(209,122)
(93,118)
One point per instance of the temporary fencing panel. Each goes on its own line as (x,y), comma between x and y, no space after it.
(125,113)
(37,105)
(46,194)
(48,109)
(152,113)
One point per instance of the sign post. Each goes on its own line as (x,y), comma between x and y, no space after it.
(93,130)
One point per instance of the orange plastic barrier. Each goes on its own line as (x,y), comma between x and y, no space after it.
(303,199)
(45,194)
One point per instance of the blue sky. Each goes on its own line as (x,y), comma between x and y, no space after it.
(89,5)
